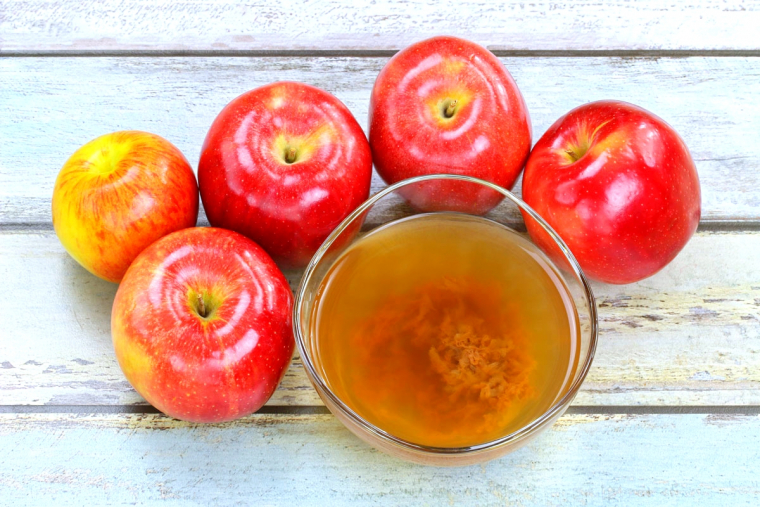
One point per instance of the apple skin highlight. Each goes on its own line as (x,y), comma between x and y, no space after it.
(448,106)
(118,194)
(201,325)
(284,164)
(618,185)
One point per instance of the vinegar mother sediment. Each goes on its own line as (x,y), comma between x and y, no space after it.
(445,330)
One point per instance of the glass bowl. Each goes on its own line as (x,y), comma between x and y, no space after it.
(391,204)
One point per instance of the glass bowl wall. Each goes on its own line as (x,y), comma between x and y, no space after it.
(391,204)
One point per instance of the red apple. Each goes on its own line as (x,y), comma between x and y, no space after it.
(118,194)
(618,185)
(447,105)
(201,325)
(284,164)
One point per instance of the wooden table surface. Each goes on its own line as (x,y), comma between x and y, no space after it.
(670,412)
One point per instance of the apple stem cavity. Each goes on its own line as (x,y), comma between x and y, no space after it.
(582,144)
(290,155)
(450,108)
(201,305)
(573,156)
(576,151)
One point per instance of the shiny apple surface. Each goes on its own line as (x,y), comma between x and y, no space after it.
(201,325)
(448,105)
(118,194)
(284,164)
(620,187)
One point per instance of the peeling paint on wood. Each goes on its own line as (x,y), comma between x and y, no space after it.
(161,25)
(689,335)
(592,460)
(49,110)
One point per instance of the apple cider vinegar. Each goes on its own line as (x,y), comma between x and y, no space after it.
(445,330)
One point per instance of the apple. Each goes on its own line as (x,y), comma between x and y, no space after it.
(448,105)
(201,325)
(284,164)
(118,194)
(618,185)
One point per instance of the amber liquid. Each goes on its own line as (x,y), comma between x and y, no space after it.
(445,330)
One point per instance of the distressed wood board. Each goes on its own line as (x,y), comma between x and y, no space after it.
(690,335)
(48,110)
(340,25)
(92,459)
(72,430)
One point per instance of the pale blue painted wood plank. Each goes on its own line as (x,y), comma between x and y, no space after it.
(381,24)
(631,460)
(51,106)
(689,335)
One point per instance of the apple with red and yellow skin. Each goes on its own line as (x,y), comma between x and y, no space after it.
(448,105)
(118,194)
(201,325)
(284,164)
(618,185)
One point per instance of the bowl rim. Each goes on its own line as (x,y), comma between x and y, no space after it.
(321,386)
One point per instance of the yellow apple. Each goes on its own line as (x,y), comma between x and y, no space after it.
(118,194)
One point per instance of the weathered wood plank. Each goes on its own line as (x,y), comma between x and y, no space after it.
(50,25)
(688,336)
(662,460)
(51,106)
(56,348)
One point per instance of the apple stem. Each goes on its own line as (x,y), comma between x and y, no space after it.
(450,109)
(201,305)
(290,155)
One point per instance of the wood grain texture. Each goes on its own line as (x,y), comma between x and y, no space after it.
(56,348)
(84,459)
(51,106)
(690,335)
(86,25)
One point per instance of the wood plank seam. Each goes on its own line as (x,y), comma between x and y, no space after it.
(321,409)
(380,53)
(704,226)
